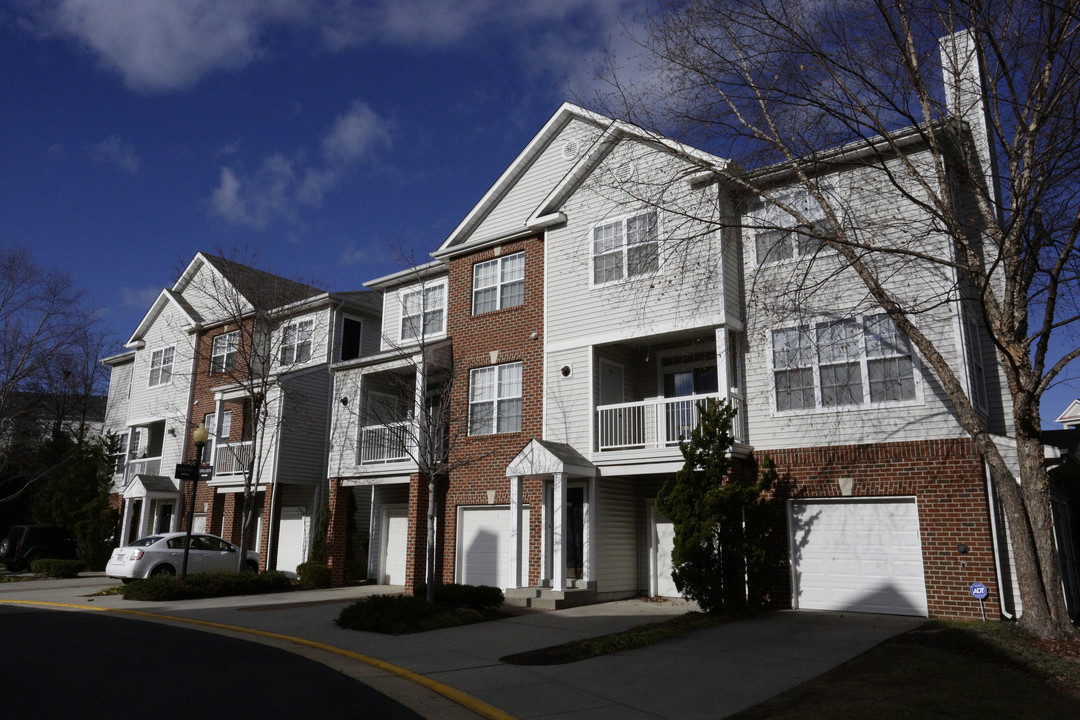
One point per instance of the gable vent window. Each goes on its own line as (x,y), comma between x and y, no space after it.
(624,172)
(571,149)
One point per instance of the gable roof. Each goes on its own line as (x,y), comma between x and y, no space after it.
(262,290)
(164,298)
(1071,417)
(611,133)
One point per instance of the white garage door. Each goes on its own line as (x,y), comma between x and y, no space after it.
(395,546)
(484,546)
(858,555)
(292,539)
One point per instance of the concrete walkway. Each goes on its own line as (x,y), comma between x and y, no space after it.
(708,674)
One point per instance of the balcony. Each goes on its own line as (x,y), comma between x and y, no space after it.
(657,423)
(142,466)
(385,443)
(232,458)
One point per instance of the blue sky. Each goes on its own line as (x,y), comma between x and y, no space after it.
(320,135)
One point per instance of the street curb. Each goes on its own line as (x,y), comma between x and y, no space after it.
(468,701)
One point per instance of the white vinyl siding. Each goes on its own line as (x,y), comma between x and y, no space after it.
(161,366)
(499,283)
(495,399)
(223,355)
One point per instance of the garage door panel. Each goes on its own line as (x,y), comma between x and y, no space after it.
(485,545)
(858,555)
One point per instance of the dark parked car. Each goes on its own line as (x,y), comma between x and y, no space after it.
(24,543)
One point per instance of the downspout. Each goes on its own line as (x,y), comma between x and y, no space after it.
(994,540)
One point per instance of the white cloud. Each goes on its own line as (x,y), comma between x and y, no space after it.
(116,151)
(141,298)
(283,184)
(162,45)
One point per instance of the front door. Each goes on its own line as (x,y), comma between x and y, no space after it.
(575,533)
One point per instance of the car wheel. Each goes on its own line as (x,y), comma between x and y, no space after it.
(163,571)
(252,566)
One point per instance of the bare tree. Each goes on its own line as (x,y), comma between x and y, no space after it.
(804,94)
(50,377)
(250,342)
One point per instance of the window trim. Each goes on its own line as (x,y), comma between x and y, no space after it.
(811,326)
(496,398)
(499,283)
(161,366)
(226,365)
(295,346)
(622,221)
(422,289)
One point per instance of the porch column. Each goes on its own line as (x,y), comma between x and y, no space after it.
(144,517)
(589,531)
(548,544)
(723,363)
(558,579)
(515,531)
(418,416)
(125,524)
(337,532)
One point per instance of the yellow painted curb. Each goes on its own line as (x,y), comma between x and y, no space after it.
(478,706)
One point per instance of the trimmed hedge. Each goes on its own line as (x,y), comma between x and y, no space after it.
(314,574)
(57,568)
(401,614)
(452,595)
(206,585)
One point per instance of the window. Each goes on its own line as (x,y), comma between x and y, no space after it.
(780,237)
(351,336)
(223,355)
(495,399)
(976,369)
(842,363)
(423,312)
(499,283)
(161,362)
(626,248)
(120,456)
(296,342)
(211,425)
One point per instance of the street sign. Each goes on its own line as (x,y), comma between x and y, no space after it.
(186,472)
(979,591)
(206,472)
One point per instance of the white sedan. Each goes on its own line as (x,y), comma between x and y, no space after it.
(163,554)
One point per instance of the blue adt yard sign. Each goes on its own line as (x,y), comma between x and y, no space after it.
(979,591)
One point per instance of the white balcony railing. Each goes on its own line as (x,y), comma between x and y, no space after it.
(142,466)
(232,458)
(656,423)
(384,443)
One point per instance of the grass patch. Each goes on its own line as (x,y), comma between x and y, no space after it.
(638,636)
(114,590)
(990,669)
(401,615)
(206,585)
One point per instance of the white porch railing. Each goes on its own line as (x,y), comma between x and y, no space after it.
(656,423)
(232,458)
(384,443)
(142,466)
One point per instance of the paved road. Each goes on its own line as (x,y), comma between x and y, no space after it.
(86,666)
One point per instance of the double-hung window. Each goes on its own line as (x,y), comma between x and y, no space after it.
(779,236)
(499,283)
(626,248)
(161,362)
(223,354)
(842,363)
(423,312)
(296,342)
(495,399)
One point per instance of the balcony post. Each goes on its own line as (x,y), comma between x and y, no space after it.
(723,363)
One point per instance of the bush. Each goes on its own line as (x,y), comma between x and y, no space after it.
(204,585)
(314,574)
(400,614)
(452,595)
(57,568)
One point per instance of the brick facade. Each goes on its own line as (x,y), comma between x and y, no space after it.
(947,479)
(516,334)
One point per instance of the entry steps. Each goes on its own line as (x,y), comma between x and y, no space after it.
(544,598)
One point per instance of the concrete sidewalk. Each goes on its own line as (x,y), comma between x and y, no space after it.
(709,674)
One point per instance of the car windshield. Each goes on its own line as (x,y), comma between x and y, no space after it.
(146,541)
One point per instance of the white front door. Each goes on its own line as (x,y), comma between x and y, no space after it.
(395,546)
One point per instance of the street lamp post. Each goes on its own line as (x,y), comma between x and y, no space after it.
(200,436)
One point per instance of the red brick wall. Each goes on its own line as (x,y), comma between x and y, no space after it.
(510,332)
(947,479)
